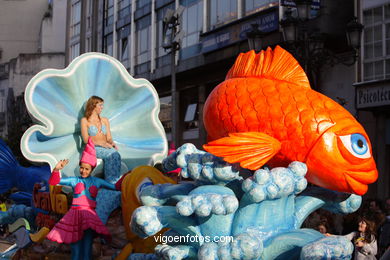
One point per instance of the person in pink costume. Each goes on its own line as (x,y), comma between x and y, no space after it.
(81,223)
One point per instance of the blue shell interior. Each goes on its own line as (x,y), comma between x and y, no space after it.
(56,99)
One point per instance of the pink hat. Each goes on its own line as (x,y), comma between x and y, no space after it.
(89,154)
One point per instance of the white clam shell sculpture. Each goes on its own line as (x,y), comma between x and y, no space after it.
(56,98)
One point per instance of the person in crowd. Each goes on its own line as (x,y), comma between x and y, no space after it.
(384,238)
(323,227)
(364,240)
(80,223)
(373,209)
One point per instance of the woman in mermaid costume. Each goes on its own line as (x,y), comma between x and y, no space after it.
(81,222)
(98,129)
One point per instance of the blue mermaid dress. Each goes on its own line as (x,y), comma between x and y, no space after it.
(107,200)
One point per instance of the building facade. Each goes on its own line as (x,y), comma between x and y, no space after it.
(373,86)
(32,38)
(20,35)
(214,33)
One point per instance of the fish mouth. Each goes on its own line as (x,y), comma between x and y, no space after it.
(362,176)
(358,181)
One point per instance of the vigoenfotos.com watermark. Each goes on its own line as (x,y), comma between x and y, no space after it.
(192,239)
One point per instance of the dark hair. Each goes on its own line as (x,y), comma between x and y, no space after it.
(91,104)
(369,233)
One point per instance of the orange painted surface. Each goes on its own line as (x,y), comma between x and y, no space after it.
(267,98)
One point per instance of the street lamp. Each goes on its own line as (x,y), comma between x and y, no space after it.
(255,38)
(289,27)
(308,47)
(303,7)
(354,33)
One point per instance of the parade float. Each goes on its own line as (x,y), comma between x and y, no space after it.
(269,134)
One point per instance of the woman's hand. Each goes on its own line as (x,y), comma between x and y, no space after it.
(61,164)
(359,243)
(103,144)
(114,146)
(108,145)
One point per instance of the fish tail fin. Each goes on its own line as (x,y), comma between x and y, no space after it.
(8,164)
(251,149)
(276,64)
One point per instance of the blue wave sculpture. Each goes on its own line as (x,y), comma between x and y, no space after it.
(12,174)
(56,98)
(261,215)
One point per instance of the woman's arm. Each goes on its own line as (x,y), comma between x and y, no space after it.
(84,129)
(370,248)
(109,136)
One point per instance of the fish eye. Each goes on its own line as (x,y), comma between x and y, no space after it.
(357,145)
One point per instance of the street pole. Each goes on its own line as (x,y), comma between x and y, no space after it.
(171,21)
(174,111)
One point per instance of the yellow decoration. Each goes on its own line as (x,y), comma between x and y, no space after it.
(130,203)
(40,235)
(61,203)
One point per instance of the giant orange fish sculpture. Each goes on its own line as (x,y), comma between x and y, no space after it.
(266,112)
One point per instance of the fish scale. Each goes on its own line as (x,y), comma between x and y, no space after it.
(267,98)
(273,120)
(277,120)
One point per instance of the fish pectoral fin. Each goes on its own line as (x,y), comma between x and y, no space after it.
(251,149)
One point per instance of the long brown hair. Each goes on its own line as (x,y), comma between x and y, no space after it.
(369,233)
(91,104)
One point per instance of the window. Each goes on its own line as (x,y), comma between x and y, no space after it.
(376,59)
(142,3)
(142,40)
(123,49)
(189,115)
(109,12)
(124,8)
(192,22)
(221,12)
(252,6)
(165,115)
(74,50)
(108,47)
(76,16)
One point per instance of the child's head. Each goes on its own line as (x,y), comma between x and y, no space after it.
(85,169)
(322,228)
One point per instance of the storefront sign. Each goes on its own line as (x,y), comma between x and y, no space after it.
(290,3)
(267,22)
(372,96)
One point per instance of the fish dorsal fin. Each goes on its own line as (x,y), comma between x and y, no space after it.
(277,64)
(251,149)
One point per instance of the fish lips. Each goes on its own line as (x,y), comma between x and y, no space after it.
(358,181)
